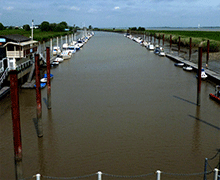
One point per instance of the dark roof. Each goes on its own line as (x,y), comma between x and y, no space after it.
(16,38)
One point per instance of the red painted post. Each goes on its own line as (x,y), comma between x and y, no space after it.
(199,76)
(163,39)
(38,97)
(179,46)
(15,114)
(170,42)
(16,123)
(190,48)
(48,79)
(207,56)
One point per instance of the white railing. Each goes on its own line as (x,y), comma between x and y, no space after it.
(4,75)
(100,174)
(15,54)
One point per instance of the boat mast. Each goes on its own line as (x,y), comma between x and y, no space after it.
(32,31)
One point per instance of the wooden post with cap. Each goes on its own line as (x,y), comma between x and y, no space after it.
(38,97)
(16,123)
(199,76)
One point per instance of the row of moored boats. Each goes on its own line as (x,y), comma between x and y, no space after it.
(67,50)
(158,50)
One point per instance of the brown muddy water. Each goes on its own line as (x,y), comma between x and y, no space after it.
(119,109)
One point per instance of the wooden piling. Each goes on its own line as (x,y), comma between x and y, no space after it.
(190,48)
(163,39)
(207,55)
(154,39)
(170,42)
(159,40)
(48,79)
(179,46)
(16,123)
(38,97)
(199,76)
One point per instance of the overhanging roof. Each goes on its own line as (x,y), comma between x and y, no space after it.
(22,43)
(16,37)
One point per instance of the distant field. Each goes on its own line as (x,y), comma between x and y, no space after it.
(211,35)
(38,34)
(199,38)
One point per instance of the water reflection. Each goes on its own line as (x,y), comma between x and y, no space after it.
(113,110)
(196,133)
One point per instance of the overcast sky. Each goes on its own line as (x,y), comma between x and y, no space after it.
(112,13)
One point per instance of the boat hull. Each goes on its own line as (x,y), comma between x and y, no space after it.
(214,97)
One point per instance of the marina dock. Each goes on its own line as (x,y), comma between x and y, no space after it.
(211,74)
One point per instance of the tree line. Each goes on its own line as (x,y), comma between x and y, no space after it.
(46,26)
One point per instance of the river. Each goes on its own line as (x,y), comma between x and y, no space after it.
(119,109)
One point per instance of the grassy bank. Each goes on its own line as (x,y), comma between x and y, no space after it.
(199,38)
(38,34)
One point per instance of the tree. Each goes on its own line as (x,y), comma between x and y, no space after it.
(133,29)
(141,29)
(90,26)
(1,26)
(61,27)
(26,27)
(53,27)
(64,24)
(45,26)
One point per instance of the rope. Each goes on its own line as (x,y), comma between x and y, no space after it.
(192,174)
(121,176)
(27,178)
(78,177)
(214,156)
(124,176)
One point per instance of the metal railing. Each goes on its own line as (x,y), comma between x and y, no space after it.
(101,174)
(4,75)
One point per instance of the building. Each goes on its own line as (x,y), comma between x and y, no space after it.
(16,53)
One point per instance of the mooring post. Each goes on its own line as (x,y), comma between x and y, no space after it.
(207,56)
(190,48)
(16,123)
(215,174)
(154,38)
(170,42)
(205,169)
(99,175)
(159,40)
(199,76)
(38,97)
(38,176)
(163,39)
(48,80)
(179,46)
(158,174)
(51,45)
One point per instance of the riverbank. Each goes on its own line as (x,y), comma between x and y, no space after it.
(199,37)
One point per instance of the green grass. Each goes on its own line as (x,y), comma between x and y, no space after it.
(199,38)
(38,34)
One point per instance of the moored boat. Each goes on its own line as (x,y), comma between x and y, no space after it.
(187,68)
(180,64)
(216,96)
(203,74)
